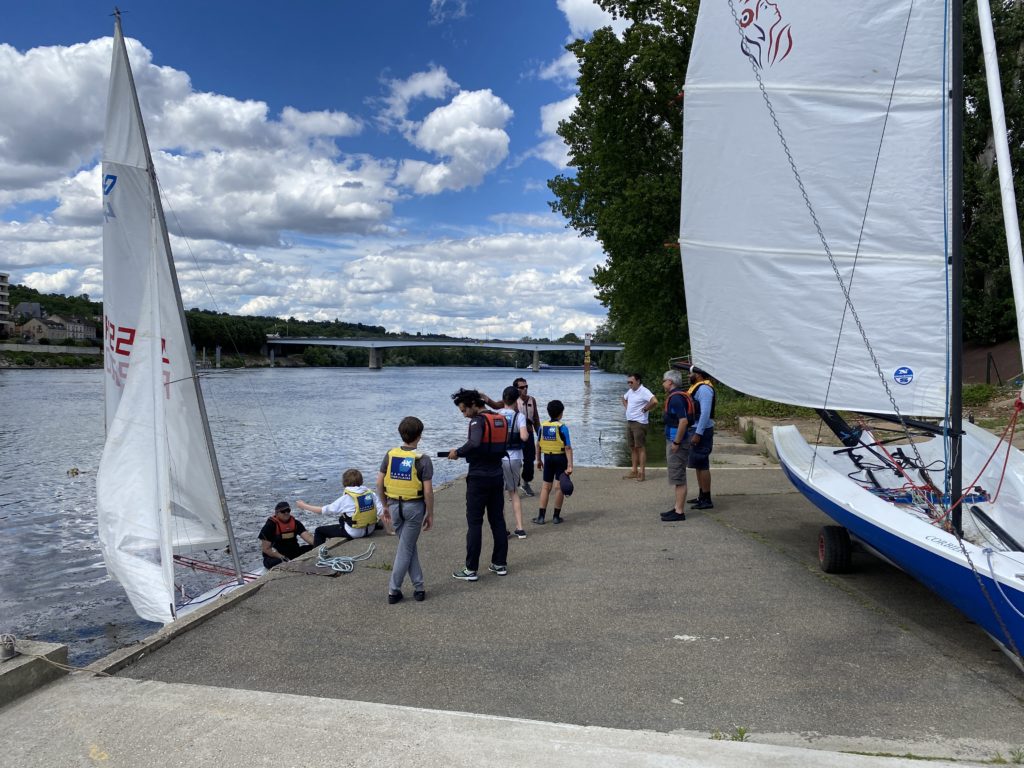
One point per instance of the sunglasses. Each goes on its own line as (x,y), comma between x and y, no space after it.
(524,386)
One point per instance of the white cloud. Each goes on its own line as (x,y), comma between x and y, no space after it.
(565,69)
(469,134)
(584,16)
(442,10)
(433,83)
(552,148)
(229,170)
(518,221)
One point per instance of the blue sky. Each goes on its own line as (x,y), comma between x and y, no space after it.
(376,162)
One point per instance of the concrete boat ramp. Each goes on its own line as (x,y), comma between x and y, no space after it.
(616,639)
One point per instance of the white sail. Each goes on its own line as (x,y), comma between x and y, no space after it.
(157,488)
(849,82)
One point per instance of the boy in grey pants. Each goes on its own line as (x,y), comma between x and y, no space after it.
(405,485)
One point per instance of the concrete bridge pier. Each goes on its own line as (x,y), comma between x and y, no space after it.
(375,355)
(536,361)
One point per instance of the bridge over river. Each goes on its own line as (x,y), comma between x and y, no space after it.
(376,344)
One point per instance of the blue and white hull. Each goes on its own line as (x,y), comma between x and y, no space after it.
(912,541)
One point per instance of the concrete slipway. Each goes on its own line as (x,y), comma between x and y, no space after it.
(616,639)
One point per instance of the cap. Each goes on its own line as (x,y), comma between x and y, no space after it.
(698,369)
(565,482)
(282,506)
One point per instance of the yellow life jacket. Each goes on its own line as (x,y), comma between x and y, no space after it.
(401,481)
(365,513)
(551,437)
(692,391)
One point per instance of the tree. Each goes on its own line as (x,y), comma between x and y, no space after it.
(624,144)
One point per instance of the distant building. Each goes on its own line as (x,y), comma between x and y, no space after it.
(36,329)
(27,309)
(6,322)
(76,327)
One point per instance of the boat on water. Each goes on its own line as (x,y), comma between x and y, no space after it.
(822,204)
(159,495)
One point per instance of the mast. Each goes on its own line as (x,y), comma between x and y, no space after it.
(1001,142)
(158,205)
(956,263)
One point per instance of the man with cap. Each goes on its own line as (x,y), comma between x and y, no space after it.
(703,435)
(279,537)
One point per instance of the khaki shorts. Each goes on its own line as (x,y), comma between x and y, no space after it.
(676,463)
(636,434)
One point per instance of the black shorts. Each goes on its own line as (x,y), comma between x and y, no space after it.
(554,465)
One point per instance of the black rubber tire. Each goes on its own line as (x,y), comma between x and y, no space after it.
(834,549)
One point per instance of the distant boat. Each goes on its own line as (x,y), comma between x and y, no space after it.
(158,489)
(820,243)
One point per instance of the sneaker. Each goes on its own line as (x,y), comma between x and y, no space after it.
(465,575)
(665,515)
(704,504)
(394,597)
(501,570)
(539,520)
(693,501)
(520,533)
(419,595)
(556,520)
(673,518)
(527,489)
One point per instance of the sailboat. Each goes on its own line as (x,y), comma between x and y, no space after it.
(821,204)
(158,489)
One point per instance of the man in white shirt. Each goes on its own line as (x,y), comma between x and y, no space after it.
(638,402)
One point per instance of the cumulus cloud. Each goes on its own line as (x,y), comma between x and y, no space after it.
(432,83)
(230,170)
(552,148)
(468,133)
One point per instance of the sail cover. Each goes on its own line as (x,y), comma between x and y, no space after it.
(157,492)
(859,96)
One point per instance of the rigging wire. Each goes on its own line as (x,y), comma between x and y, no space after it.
(848,300)
(853,311)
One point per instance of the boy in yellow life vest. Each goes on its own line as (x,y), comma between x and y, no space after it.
(405,482)
(555,458)
(358,510)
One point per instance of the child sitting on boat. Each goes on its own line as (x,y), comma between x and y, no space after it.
(358,509)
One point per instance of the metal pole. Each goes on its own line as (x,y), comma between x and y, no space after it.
(586,357)
(957,263)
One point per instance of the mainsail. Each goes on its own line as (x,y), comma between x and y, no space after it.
(158,491)
(860,91)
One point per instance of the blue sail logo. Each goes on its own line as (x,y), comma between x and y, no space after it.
(108,183)
(903,375)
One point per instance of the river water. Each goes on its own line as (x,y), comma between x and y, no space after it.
(282,433)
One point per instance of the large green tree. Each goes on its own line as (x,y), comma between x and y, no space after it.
(624,143)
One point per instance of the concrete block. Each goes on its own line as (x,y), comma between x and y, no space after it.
(30,669)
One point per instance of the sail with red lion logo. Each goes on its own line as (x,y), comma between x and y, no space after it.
(821,205)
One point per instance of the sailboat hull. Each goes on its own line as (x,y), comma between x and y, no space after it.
(915,545)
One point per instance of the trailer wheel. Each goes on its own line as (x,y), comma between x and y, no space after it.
(834,549)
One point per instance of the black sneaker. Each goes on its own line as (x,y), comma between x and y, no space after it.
(465,575)
(556,520)
(527,489)
(520,533)
(539,520)
(501,570)
(394,597)
(419,595)
(704,504)
(693,501)
(666,515)
(673,518)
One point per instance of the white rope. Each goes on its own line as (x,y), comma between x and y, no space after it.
(342,563)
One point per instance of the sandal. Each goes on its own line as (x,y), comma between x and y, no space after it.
(630,476)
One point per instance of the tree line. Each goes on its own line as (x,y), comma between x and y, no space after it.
(239,335)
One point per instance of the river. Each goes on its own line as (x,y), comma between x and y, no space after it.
(281,433)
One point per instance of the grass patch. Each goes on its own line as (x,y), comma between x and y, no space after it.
(739,733)
(977,395)
(749,434)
